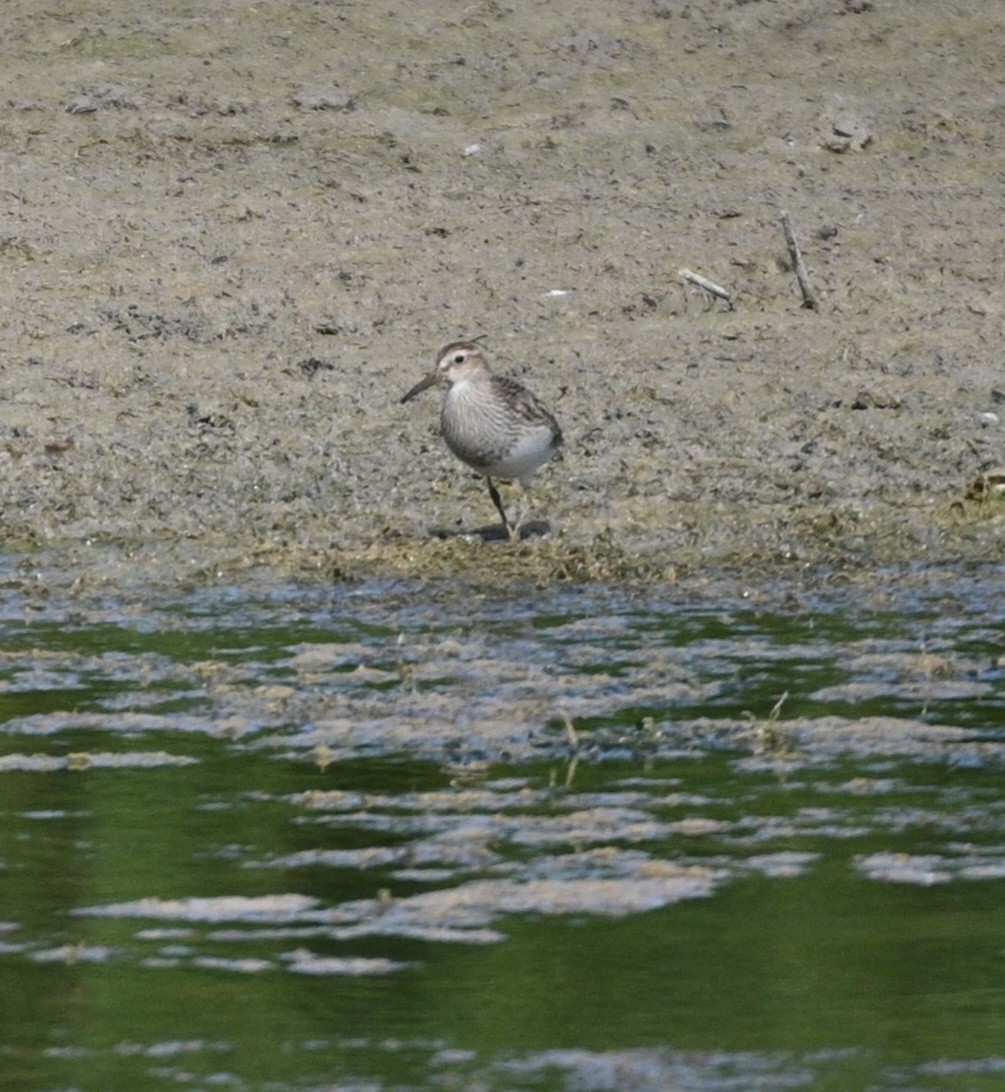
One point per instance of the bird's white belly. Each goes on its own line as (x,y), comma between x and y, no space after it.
(496,438)
(528,452)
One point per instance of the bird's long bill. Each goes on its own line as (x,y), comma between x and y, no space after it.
(429,381)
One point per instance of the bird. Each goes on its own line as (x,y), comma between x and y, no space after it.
(490,422)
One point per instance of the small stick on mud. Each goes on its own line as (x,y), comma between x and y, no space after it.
(706,285)
(809,296)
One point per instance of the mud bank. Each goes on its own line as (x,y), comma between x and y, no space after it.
(231,237)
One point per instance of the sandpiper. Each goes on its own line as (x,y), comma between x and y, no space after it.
(492,423)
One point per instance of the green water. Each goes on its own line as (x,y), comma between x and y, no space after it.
(304,838)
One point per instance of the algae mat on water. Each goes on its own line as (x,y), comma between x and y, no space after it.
(268,836)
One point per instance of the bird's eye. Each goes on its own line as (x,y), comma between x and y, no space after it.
(459,358)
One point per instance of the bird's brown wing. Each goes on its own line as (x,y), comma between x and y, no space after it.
(527,405)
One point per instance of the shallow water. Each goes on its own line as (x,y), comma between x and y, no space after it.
(286,837)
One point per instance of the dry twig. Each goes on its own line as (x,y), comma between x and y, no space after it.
(706,285)
(809,296)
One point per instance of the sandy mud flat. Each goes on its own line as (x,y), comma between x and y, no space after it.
(231,236)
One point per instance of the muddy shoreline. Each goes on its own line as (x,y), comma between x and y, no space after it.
(229,244)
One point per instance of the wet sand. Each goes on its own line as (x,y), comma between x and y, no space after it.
(233,236)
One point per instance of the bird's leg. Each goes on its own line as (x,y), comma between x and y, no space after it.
(524,508)
(497,501)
